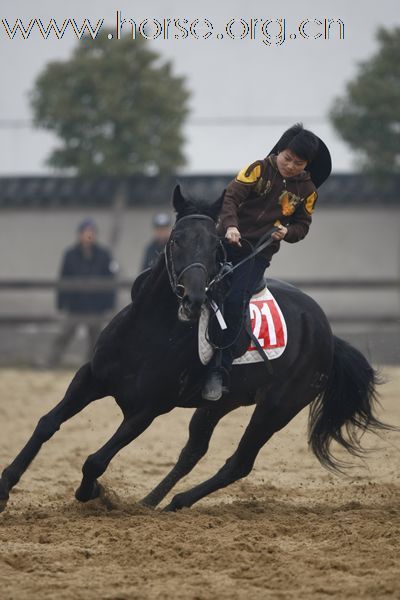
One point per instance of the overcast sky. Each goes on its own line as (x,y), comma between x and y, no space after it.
(280,83)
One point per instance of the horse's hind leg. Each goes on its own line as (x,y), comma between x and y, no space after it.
(201,428)
(95,465)
(269,417)
(82,390)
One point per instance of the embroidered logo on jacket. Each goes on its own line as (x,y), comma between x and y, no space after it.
(289,202)
(310,201)
(263,186)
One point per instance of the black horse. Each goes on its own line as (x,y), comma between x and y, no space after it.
(147,359)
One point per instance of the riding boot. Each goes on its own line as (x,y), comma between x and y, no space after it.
(212,388)
(218,372)
(217,377)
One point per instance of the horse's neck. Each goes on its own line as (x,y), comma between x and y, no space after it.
(159,332)
(156,297)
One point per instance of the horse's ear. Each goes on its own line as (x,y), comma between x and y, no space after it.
(217,206)
(178,200)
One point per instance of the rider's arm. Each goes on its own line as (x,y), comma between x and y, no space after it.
(300,221)
(236,193)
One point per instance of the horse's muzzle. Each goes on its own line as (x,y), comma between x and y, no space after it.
(190,309)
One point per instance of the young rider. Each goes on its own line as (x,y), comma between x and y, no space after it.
(279,191)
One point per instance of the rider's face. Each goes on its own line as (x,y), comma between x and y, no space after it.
(289,164)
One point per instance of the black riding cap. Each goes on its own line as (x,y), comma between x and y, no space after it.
(320,167)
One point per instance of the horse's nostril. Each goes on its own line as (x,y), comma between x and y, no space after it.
(186,302)
(191,306)
(194,303)
(180,289)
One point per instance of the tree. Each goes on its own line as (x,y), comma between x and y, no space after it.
(115,107)
(368,116)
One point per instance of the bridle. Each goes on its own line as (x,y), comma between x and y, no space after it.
(225,267)
(174,277)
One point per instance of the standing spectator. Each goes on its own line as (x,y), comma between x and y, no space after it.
(162,223)
(85,260)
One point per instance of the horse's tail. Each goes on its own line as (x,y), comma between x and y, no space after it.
(344,410)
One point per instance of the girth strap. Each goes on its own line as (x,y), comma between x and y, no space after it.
(260,351)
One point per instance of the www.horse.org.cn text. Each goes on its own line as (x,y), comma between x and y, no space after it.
(270,32)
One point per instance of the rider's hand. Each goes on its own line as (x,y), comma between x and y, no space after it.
(233,236)
(280,234)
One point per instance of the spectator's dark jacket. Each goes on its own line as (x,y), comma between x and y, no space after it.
(75,264)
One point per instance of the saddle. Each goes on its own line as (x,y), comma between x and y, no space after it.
(262,337)
(245,336)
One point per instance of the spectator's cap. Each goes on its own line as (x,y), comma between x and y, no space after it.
(162,219)
(87,223)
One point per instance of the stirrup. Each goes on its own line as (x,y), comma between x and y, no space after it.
(213,386)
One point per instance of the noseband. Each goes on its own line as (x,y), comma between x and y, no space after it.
(174,277)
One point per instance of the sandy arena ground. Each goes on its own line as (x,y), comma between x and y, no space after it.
(290,530)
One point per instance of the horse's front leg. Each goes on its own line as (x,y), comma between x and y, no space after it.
(201,428)
(83,389)
(268,417)
(131,427)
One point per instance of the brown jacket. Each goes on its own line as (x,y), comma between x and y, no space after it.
(259,197)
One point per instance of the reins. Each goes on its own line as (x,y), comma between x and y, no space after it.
(264,242)
(225,269)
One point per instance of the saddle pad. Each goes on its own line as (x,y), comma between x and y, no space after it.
(268,325)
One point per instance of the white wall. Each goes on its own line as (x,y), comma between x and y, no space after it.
(342,243)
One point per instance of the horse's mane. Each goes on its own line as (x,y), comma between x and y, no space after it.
(197,206)
(145,280)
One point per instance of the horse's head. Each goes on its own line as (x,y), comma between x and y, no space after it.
(191,252)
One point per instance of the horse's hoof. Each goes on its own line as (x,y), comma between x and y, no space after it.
(145,505)
(174,505)
(82,494)
(147,502)
(4,495)
(170,508)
